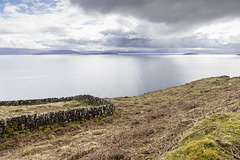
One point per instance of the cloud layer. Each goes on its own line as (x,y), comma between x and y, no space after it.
(119,24)
(169,23)
(172,12)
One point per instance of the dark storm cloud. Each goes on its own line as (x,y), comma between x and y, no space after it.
(128,43)
(181,12)
(186,42)
(194,42)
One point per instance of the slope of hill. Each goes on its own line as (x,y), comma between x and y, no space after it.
(198,120)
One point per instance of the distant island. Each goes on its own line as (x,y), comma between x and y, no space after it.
(190,54)
(17,51)
(59,52)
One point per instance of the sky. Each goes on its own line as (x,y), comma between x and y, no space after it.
(100,25)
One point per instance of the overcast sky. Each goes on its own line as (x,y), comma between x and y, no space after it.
(120,24)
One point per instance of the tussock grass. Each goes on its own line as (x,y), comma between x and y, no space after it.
(37,149)
(216,137)
(158,124)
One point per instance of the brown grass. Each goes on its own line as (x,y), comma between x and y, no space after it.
(10,111)
(143,127)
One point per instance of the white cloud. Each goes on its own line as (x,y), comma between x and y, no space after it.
(10,9)
(226,32)
(60,22)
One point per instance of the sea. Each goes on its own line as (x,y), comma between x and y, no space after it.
(43,76)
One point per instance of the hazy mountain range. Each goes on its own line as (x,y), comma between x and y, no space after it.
(21,51)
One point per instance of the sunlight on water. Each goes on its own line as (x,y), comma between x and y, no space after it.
(26,77)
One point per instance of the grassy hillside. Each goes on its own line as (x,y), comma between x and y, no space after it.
(198,120)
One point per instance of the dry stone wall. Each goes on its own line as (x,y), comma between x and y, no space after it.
(34,121)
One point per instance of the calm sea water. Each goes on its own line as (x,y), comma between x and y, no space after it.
(27,77)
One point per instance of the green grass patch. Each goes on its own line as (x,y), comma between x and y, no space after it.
(216,137)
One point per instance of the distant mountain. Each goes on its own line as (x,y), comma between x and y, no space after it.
(20,51)
(53,52)
(100,52)
(190,54)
